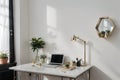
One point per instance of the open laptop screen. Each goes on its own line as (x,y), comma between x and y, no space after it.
(56,59)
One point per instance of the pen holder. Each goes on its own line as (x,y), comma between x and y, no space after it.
(79,63)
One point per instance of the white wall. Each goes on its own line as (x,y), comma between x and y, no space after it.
(21,31)
(21,19)
(17,29)
(57,20)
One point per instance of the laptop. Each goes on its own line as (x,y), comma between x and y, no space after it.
(56,60)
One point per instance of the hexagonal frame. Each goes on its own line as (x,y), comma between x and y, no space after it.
(103,34)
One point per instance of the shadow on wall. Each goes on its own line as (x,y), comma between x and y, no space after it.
(50,47)
(89,47)
(97,74)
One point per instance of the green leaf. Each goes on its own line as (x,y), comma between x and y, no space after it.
(37,43)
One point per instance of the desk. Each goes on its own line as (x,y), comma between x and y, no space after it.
(71,74)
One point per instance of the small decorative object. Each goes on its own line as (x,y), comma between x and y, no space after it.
(37,43)
(67,65)
(43,58)
(78,62)
(3,58)
(105,27)
(73,63)
(102,34)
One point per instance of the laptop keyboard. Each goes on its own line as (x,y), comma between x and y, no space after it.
(51,65)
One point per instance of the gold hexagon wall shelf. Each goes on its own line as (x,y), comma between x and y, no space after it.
(105,27)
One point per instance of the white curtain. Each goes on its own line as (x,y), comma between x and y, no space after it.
(4,26)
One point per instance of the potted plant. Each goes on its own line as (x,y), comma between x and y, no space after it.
(36,44)
(3,58)
(43,58)
(67,64)
(102,34)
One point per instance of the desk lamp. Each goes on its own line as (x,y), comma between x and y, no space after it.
(75,38)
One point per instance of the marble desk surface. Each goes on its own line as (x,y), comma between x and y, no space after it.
(30,68)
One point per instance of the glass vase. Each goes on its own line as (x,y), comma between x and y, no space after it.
(43,60)
(37,57)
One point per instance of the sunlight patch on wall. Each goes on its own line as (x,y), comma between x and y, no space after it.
(51,16)
(51,32)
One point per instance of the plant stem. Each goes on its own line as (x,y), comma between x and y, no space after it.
(36,57)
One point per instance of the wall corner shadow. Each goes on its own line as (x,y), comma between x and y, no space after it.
(97,74)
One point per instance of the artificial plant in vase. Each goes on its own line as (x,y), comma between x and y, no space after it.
(36,44)
(43,58)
